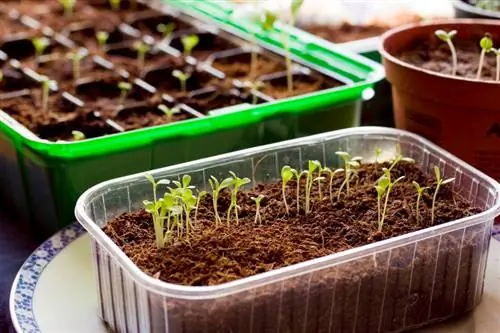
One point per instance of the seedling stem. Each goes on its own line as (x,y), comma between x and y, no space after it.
(142,49)
(169,112)
(420,191)
(216,189)
(125,88)
(287,174)
(188,43)
(46,83)
(166,29)
(439,182)
(183,77)
(258,217)
(102,38)
(312,167)
(447,38)
(486,44)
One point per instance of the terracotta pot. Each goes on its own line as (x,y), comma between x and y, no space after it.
(459,114)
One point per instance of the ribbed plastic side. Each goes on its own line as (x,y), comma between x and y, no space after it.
(393,286)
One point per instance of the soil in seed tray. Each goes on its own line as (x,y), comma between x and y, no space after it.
(217,99)
(434,55)
(302,84)
(60,68)
(345,32)
(9,27)
(214,254)
(147,23)
(239,66)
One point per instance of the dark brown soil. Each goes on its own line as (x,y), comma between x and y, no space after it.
(434,55)
(302,84)
(215,255)
(239,67)
(345,32)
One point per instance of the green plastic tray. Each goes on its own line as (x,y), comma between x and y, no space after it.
(41,180)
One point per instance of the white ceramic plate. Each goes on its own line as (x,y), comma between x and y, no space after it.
(55,291)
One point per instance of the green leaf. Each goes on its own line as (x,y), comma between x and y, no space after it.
(295,6)
(345,155)
(486,42)
(226,183)
(189,42)
(443,35)
(384,182)
(166,29)
(186,180)
(168,200)
(269,19)
(151,179)
(417,186)
(286,174)
(313,166)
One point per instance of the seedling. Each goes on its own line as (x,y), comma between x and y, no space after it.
(378,152)
(189,43)
(257,200)
(182,77)
(384,185)
(332,174)
(166,29)
(351,165)
(142,49)
(237,184)
(294,11)
(169,112)
(158,210)
(69,6)
(447,37)
(78,136)
(216,189)
(201,195)
(40,45)
(439,182)
(297,176)
(400,158)
(287,174)
(486,44)
(115,4)
(76,58)
(312,166)
(102,38)
(46,83)
(125,88)
(420,191)
(497,53)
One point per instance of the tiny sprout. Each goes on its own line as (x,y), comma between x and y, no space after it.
(201,195)
(158,209)
(183,77)
(216,189)
(46,83)
(420,191)
(312,166)
(439,182)
(169,112)
(378,152)
(268,20)
(287,174)
(400,158)
(40,44)
(486,44)
(76,58)
(125,88)
(297,186)
(102,38)
(142,49)
(332,174)
(237,184)
(384,184)
(189,42)
(69,6)
(351,165)
(115,4)
(257,200)
(166,29)
(77,135)
(447,38)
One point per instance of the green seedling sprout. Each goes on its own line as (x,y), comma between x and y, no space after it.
(169,112)
(384,185)
(439,182)
(77,135)
(189,42)
(497,54)
(447,37)
(420,191)
(400,158)
(312,166)
(351,165)
(378,152)
(158,210)
(166,29)
(486,44)
(332,174)
(257,200)
(294,11)
(201,195)
(40,45)
(115,4)
(125,88)
(69,6)
(182,77)
(142,49)
(237,184)
(287,174)
(76,58)
(102,38)
(216,189)
(46,83)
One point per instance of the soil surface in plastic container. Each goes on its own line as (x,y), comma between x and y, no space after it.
(435,55)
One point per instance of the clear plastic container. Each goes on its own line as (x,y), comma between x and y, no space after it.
(389,286)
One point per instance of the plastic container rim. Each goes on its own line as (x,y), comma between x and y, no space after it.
(475,10)
(206,292)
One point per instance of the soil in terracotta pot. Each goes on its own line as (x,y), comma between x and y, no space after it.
(345,32)
(434,55)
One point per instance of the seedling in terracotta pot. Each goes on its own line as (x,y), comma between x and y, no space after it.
(447,37)
(439,182)
(142,49)
(182,77)
(46,83)
(102,38)
(189,43)
(169,112)
(125,88)
(216,189)
(166,29)
(77,135)
(384,185)
(257,200)
(68,6)
(486,44)
(420,191)
(237,183)
(115,4)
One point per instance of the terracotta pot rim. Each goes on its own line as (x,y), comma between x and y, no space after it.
(442,23)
